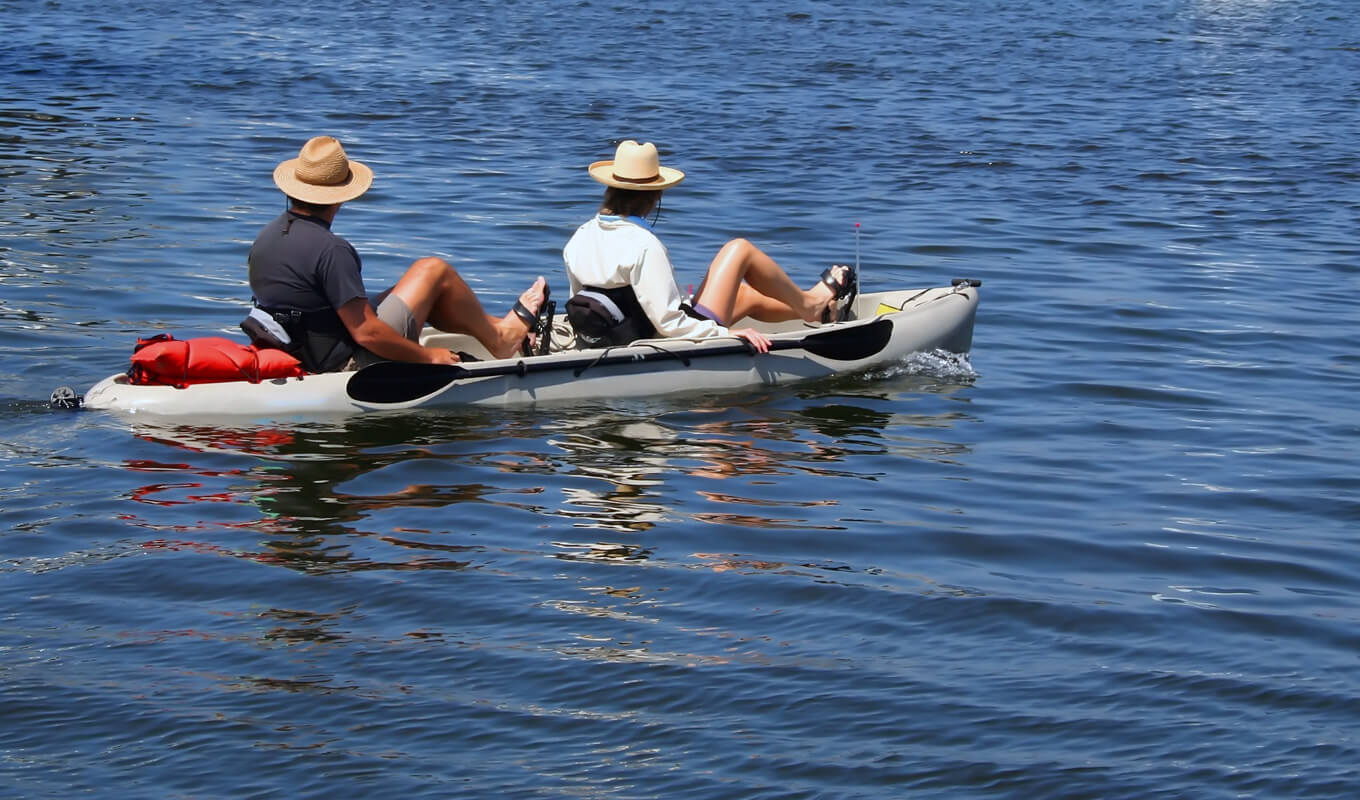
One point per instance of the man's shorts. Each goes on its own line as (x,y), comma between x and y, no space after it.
(394,311)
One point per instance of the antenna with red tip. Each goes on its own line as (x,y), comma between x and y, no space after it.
(856,258)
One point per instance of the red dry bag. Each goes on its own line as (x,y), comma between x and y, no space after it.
(167,361)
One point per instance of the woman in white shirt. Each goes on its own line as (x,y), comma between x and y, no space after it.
(618,249)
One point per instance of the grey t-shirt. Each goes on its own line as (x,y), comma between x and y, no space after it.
(296,263)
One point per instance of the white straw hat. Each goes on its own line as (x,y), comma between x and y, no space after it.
(635,166)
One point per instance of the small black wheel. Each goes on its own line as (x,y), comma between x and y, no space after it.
(64,397)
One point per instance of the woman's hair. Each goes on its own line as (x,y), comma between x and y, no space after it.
(630,202)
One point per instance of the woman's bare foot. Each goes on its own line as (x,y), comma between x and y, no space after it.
(822,297)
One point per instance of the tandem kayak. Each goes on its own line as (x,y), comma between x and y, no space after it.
(881,328)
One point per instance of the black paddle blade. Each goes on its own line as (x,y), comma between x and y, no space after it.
(400,382)
(850,343)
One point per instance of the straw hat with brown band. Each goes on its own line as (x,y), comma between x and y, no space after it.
(322,174)
(635,166)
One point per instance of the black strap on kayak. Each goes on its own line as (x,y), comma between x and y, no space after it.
(658,348)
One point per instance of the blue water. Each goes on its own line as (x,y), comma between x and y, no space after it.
(1113,554)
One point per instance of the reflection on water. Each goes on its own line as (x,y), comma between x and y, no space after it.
(307,627)
(624,461)
(296,485)
(417,491)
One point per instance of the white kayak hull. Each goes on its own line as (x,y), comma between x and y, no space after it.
(887,327)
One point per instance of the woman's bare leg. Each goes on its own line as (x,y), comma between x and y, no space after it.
(743,281)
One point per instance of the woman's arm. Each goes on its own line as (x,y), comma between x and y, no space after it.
(654,284)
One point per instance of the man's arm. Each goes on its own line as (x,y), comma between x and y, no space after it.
(379,338)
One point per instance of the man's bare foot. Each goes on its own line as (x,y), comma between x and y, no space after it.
(511,328)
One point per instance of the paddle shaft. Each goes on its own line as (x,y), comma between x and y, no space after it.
(395,382)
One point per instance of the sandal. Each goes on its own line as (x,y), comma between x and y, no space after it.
(845,290)
(539,325)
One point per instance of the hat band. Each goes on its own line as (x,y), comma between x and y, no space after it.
(325,181)
(652,179)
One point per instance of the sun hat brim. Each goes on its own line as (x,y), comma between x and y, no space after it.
(359,180)
(603,171)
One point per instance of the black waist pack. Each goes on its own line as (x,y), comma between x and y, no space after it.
(608,317)
(316,338)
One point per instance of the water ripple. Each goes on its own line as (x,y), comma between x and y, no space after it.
(1110,553)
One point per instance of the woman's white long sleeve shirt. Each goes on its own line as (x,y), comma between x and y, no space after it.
(608,251)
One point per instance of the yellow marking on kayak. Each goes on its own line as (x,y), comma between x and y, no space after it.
(884,308)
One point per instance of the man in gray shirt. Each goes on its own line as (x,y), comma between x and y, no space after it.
(309,280)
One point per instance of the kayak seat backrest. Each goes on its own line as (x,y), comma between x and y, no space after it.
(607,317)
